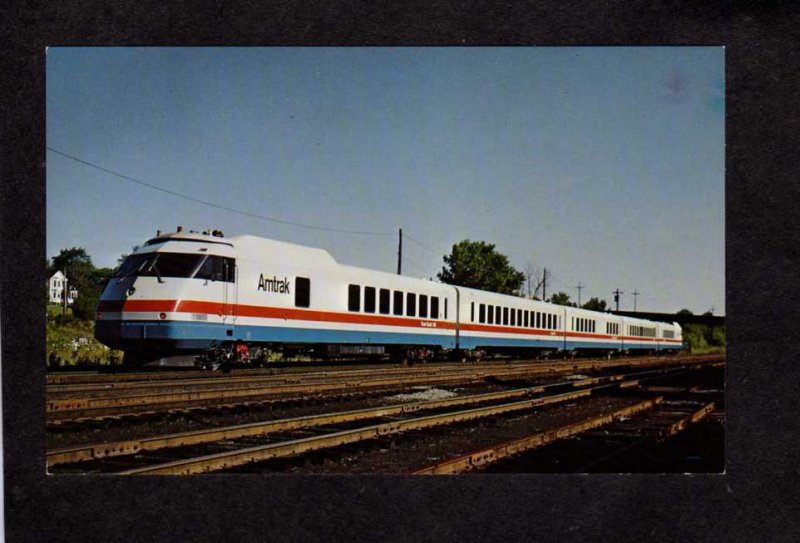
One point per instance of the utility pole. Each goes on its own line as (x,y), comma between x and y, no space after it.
(635,294)
(65,292)
(544,285)
(580,288)
(616,297)
(400,254)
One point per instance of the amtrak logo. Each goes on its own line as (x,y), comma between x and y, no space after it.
(280,286)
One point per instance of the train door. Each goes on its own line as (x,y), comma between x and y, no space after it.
(230,291)
(458,319)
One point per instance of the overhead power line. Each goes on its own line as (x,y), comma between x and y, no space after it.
(212,204)
(409,238)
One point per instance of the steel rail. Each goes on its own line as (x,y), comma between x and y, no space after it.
(488,455)
(74,403)
(119,448)
(250,380)
(214,462)
(478,374)
(102,450)
(682,424)
(115,380)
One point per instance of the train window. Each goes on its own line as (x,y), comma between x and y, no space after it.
(538,319)
(411,304)
(384,301)
(215,268)
(498,315)
(491,314)
(505,316)
(434,307)
(369,299)
(513,318)
(527,316)
(550,322)
(398,303)
(519,317)
(445,308)
(481,313)
(354,297)
(302,292)
(171,265)
(472,312)
(423,306)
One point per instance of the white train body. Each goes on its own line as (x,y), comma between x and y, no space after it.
(185,293)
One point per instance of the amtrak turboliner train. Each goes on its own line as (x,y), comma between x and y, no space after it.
(189,298)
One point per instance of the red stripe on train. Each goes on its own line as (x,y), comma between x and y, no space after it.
(286,313)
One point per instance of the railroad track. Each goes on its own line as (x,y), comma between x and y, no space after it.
(664,419)
(120,402)
(223,448)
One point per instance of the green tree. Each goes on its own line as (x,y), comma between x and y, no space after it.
(561,298)
(86,303)
(595,304)
(475,264)
(76,264)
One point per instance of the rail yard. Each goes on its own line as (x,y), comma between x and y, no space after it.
(628,414)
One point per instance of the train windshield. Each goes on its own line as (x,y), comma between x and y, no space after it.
(159,265)
(213,267)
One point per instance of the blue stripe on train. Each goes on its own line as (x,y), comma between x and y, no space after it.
(200,335)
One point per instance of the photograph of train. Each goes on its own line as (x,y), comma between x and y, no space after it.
(199,299)
(385,260)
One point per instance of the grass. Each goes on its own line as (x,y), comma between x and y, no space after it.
(71,342)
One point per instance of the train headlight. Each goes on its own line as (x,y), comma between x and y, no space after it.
(99,316)
(162,316)
(131,291)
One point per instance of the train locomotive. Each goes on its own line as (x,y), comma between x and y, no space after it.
(201,299)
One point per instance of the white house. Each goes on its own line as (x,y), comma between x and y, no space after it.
(57,284)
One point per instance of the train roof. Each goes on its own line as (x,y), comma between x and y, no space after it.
(249,246)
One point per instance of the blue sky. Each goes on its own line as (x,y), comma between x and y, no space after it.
(603,165)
